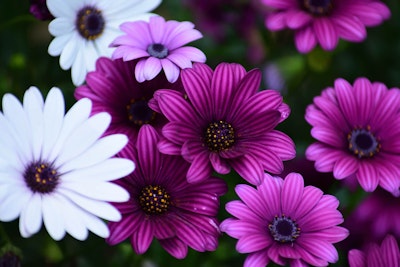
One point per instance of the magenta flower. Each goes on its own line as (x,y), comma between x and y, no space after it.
(159,44)
(284,222)
(163,205)
(224,122)
(387,254)
(358,133)
(325,21)
(39,10)
(113,88)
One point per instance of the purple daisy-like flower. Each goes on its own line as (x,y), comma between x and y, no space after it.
(163,205)
(324,22)
(39,10)
(224,122)
(358,133)
(387,254)
(159,45)
(285,222)
(113,88)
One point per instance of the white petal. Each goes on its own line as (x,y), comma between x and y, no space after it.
(78,70)
(105,191)
(31,215)
(101,150)
(53,112)
(74,224)
(57,45)
(13,203)
(61,26)
(90,56)
(62,8)
(53,217)
(70,51)
(99,208)
(107,170)
(95,224)
(83,137)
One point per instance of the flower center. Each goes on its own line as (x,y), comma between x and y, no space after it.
(41,177)
(283,229)
(154,200)
(157,50)
(139,112)
(363,143)
(219,136)
(318,7)
(90,23)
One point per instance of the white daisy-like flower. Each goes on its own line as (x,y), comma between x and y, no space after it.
(56,168)
(83,30)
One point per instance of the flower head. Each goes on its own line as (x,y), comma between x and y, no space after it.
(356,127)
(56,168)
(225,122)
(325,21)
(113,88)
(83,30)
(285,222)
(387,254)
(159,45)
(39,10)
(163,205)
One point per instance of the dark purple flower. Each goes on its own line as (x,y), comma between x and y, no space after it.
(325,21)
(285,222)
(39,10)
(387,254)
(113,88)
(358,134)
(224,122)
(163,205)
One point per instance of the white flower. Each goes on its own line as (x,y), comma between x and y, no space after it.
(83,30)
(56,168)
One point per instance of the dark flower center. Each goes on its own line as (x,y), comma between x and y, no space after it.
(139,112)
(41,177)
(363,143)
(154,200)
(318,7)
(157,50)
(90,23)
(284,229)
(219,136)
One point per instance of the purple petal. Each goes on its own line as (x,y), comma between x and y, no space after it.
(190,53)
(219,164)
(305,40)
(182,35)
(371,14)
(141,239)
(365,98)
(178,132)
(276,21)
(239,228)
(292,192)
(157,28)
(311,197)
(319,219)
(386,108)
(171,71)
(166,147)
(200,169)
(151,68)
(253,242)
(256,124)
(345,166)
(119,231)
(310,259)
(328,136)
(175,247)
(256,259)
(148,155)
(251,198)
(190,235)
(136,28)
(326,33)
(163,229)
(249,168)
(282,145)
(357,258)
(346,100)
(241,211)
(319,248)
(204,203)
(213,184)
(296,19)
(367,176)
(279,4)
(332,235)
(390,251)
(270,191)
(191,148)
(351,29)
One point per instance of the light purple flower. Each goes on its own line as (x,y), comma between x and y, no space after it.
(159,45)
(163,205)
(387,254)
(358,133)
(284,222)
(324,22)
(113,88)
(225,122)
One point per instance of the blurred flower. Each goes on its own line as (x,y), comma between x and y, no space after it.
(56,168)
(9,259)
(159,44)
(225,123)
(387,254)
(285,222)
(357,128)
(84,29)
(324,22)
(39,10)
(113,88)
(163,205)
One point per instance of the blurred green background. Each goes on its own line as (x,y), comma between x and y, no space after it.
(233,32)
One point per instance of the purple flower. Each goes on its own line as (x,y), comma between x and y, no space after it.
(225,122)
(358,133)
(113,88)
(284,222)
(325,21)
(159,44)
(163,205)
(387,254)
(39,10)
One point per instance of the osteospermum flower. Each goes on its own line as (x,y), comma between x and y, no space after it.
(387,254)
(83,30)
(225,122)
(163,205)
(56,169)
(357,128)
(284,222)
(159,45)
(113,88)
(325,22)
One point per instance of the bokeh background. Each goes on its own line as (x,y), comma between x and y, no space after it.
(233,32)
